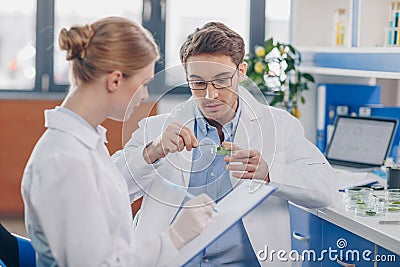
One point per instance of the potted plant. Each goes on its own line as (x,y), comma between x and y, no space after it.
(274,68)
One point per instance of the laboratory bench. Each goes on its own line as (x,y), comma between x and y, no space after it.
(343,234)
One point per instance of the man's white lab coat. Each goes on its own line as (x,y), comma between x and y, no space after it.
(296,166)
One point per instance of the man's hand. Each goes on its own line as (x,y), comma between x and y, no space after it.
(253,165)
(175,138)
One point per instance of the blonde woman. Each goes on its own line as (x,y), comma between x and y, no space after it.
(77,205)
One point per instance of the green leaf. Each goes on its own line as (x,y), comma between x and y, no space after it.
(298,76)
(293,90)
(277,99)
(257,78)
(292,95)
(250,68)
(269,45)
(291,48)
(290,66)
(266,68)
(292,86)
(308,77)
(263,87)
(269,41)
(302,100)
(300,86)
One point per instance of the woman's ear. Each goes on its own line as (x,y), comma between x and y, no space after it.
(114,80)
(242,71)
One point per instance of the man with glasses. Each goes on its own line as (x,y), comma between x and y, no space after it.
(268,144)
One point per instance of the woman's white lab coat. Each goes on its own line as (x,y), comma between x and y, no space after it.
(77,204)
(296,166)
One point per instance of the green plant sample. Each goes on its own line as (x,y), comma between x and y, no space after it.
(221,151)
(394,209)
(370,212)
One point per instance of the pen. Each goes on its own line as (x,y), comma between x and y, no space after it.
(183,191)
(207,144)
(389,222)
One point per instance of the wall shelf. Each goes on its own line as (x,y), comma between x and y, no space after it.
(350,73)
(363,54)
(365,22)
(379,62)
(338,49)
(313,22)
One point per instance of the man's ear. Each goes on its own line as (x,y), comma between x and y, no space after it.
(114,80)
(242,71)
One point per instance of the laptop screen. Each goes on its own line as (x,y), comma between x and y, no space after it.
(365,140)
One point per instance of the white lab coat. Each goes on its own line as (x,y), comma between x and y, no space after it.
(296,166)
(77,205)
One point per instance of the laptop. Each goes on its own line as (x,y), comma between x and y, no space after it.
(360,143)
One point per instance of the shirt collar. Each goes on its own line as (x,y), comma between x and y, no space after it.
(75,115)
(71,123)
(230,126)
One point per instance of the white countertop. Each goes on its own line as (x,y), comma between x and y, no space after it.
(385,235)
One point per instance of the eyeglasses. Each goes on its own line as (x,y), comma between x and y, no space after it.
(220,83)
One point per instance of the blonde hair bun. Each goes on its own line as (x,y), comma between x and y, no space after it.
(75,41)
(108,44)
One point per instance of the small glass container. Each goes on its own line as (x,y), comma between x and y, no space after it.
(206,144)
(393,194)
(216,149)
(392,200)
(221,151)
(369,209)
(357,196)
(349,192)
(380,206)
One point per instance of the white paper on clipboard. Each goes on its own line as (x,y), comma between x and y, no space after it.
(240,201)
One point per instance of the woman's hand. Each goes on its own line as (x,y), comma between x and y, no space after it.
(192,220)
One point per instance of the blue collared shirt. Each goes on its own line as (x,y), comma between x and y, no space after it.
(210,176)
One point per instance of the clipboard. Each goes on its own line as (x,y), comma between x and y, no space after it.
(237,204)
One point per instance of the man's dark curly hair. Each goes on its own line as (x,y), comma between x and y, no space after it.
(214,38)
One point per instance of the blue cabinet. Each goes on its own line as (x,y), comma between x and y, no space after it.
(342,246)
(306,230)
(325,244)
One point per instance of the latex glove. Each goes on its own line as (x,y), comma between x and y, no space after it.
(192,220)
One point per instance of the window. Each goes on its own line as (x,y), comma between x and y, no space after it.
(30,59)
(277,14)
(68,13)
(17,45)
(182,17)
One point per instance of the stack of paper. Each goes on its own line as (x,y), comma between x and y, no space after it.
(347,179)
